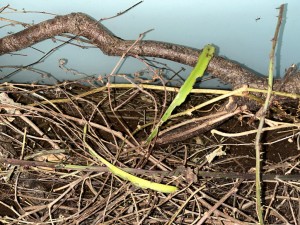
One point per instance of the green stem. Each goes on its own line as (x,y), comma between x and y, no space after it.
(262,120)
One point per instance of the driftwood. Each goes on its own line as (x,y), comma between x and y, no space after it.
(80,24)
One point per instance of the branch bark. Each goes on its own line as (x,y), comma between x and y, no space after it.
(83,25)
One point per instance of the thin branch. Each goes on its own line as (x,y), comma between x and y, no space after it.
(233,190)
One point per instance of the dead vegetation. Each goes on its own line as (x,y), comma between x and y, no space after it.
(206,150)
(42,147)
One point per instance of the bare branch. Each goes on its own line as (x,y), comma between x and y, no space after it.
(80,24)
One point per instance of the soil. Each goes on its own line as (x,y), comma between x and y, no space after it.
(29,192)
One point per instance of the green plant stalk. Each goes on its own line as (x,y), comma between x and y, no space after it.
(262,120)
(198,71)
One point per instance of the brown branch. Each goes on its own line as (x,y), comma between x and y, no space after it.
(80,24)
(196,127)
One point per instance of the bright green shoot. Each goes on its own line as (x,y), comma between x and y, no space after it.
(203,61)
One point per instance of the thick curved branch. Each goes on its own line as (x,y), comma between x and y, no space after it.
(83,25)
